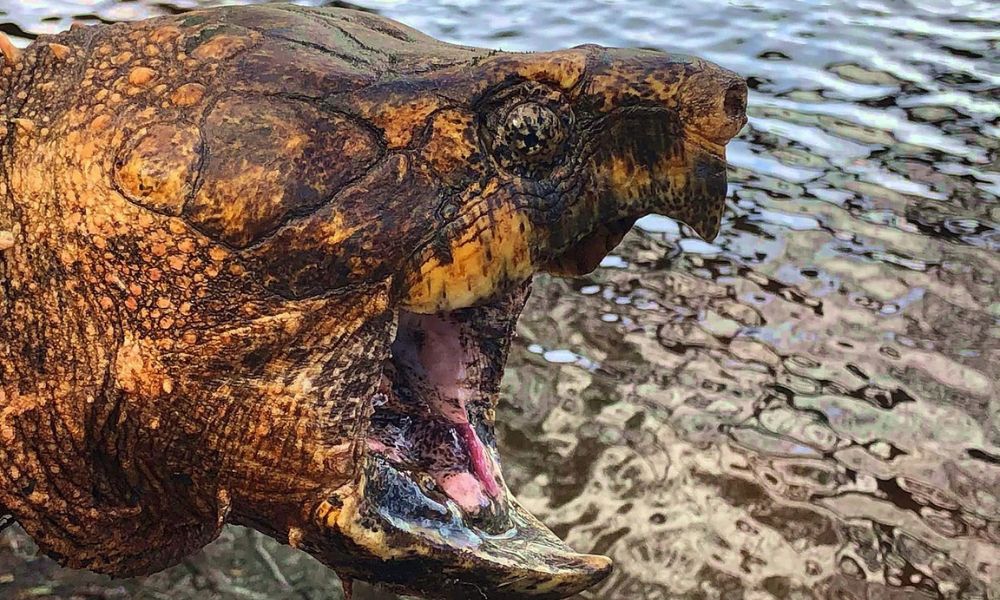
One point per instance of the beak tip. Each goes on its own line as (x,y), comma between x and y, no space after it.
(708,231)
(598,564)
(584,572)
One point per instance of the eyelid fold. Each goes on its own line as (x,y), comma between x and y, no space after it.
(526,127)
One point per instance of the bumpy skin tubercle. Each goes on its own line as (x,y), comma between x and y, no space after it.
(238,248)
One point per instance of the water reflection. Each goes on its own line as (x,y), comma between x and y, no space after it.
(807,407)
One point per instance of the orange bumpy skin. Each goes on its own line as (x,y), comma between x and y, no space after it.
(210,222)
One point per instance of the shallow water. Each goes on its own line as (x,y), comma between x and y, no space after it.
(806,407)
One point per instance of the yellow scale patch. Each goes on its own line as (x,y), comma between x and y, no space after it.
(400,122)
(482,262)
(562,68)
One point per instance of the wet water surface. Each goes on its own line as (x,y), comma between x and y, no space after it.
(806,407)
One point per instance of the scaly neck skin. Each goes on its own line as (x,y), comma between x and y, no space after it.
(148,386)
(56,342)
(134,429)
(13,76)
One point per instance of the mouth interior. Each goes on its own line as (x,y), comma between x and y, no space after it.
(433,420)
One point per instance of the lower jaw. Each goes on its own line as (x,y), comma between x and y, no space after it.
(426,549)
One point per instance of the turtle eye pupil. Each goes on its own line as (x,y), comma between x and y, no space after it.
(532,131)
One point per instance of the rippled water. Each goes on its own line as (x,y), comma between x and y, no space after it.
(809,406)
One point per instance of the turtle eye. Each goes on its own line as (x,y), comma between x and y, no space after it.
(532,131)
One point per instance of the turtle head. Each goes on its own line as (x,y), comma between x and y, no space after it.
(553,156)
(465,171)
(529,162)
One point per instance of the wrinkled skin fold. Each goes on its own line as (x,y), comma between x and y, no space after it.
(263,265)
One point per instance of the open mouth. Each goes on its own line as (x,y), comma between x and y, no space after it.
(433,419)
(434,515)
(432,432)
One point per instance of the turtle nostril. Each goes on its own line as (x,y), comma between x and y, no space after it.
(735,103)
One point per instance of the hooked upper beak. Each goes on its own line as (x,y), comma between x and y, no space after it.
(660,124)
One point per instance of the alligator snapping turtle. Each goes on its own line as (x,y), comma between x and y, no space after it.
(262,265)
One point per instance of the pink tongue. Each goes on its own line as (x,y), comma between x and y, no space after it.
(464,489)
(482,466)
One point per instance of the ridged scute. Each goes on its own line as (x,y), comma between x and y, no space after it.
(270,159)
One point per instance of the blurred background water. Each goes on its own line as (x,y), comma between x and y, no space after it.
(807,407)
